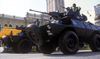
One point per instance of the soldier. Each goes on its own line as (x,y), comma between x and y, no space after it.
(75,9)
(37,22)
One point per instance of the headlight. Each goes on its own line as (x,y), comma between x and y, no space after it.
(48,26)
(48,31)
(3,36)
(1,49)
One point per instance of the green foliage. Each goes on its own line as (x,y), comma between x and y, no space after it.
(2,45)
(33,50)
(86,47)
(40,24)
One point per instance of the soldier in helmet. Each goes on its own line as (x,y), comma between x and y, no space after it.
(75,9)
(37,22)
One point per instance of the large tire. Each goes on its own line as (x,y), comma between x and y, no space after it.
(69,43)
(33,32)
(95,43)
(15,48)
(47,48)
(24,46)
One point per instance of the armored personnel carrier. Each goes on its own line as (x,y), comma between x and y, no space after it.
(68,31)
(19,43)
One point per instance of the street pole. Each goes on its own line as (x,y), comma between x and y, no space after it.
(42,18)
(25,22)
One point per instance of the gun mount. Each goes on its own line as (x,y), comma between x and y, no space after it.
(21,28)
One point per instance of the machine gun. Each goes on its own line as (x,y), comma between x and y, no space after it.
(38,11)
(68,9)
(53,14)
(21,28)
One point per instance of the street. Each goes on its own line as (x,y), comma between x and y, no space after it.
(81,54)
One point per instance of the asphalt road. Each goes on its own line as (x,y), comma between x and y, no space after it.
(82,54)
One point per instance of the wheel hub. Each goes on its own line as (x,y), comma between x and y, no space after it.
(25,45)
(98,43)
(34,36)
(70,42)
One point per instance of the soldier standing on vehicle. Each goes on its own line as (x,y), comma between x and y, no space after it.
(37,22)
(75,9)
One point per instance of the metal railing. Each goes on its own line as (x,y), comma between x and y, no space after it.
(11,17)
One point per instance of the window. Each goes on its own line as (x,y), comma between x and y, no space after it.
(10,25)
(16,25)
(5,25)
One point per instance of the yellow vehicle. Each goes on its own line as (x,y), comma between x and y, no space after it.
(7,31)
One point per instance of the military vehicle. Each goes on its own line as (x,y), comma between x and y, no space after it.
(68,31)
(19,43)
(6,31)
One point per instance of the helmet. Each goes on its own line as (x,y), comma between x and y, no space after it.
(74,5)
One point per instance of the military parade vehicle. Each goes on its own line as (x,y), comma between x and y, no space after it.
(68,31)
(19,43)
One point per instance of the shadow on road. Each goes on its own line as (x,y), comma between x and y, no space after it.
(79,54)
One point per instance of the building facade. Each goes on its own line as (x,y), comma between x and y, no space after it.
(97,14)
(31,18)
(53,5)
(11,21)
(14,21)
